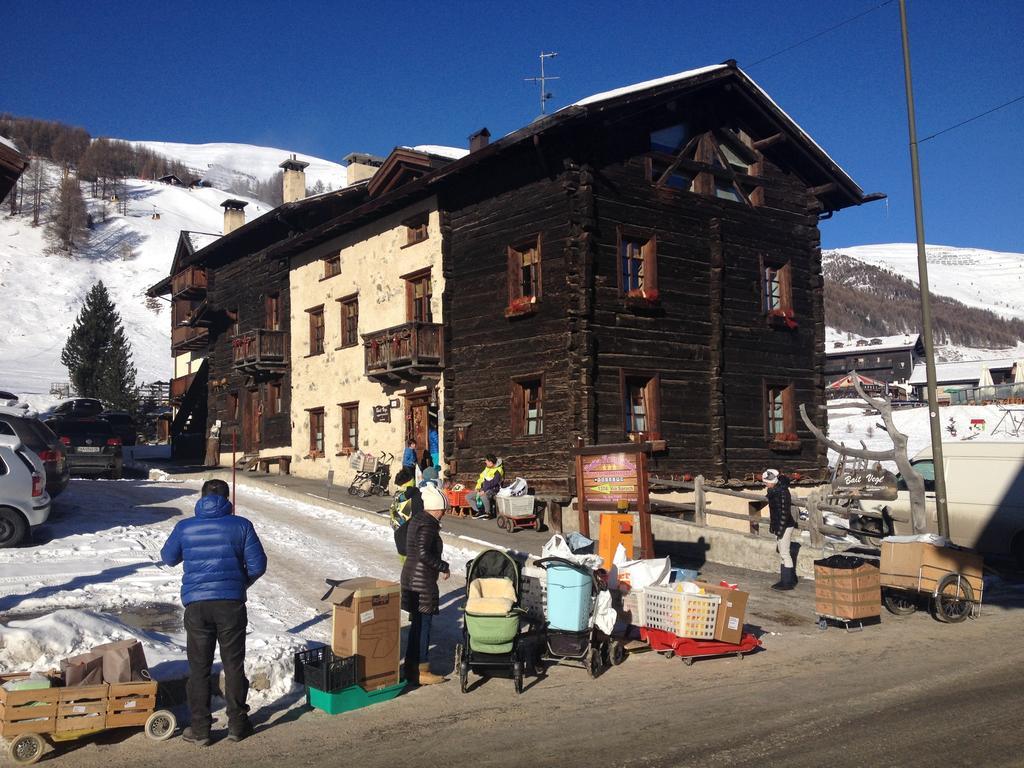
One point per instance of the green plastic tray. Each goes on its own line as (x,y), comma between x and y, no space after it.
(351,698)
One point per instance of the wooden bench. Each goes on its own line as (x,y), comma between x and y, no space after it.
(284,464)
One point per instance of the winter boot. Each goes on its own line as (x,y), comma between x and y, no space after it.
(426,677)
(780,585)
(788,580)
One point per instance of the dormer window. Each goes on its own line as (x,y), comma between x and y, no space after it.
(416,228)
(715,163)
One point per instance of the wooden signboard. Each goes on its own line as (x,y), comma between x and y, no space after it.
(865,482)
(381,413)
(609,474)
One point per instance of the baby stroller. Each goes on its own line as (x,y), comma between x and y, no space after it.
(491,636)
(571,635)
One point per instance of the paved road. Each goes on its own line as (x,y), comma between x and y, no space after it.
(908,692)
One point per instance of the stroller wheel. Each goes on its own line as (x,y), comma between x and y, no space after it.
(616,653)
(594,661)
(517,676)
(462,669)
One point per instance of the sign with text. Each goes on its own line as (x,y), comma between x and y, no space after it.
(611,477)
(873,482)
(381,413)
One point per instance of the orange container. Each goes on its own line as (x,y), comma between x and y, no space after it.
(616,528)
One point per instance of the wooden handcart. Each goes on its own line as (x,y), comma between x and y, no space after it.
(29,718)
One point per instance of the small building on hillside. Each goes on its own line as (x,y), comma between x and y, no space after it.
(887,358)
(967,376)
(172,180)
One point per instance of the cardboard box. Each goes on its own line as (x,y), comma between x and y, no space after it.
(367,624)
(847,587)
(732,612)
(920,566)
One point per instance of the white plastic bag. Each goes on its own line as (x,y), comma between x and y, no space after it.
(556,546)
(640,573)
(604,613)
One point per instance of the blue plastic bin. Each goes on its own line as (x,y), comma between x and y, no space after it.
(569,598)
(682,574)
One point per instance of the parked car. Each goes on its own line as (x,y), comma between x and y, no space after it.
(7,398)
(78,406)
(38,438)
(93,448)
(984,496)
(24,502)
(124,426)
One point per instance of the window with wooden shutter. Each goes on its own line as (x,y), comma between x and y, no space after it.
(780,412)
(777,286)
(641,405)
(316,330)
(332,266)
(349,427)
(638,265)
(524,273)
(417,298)
(273,311)
(316,431)
(416,228)
(349,320)
(527,407)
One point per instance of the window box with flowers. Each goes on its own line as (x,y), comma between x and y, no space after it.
(784,442)
(642,298)
(521,306)
(782,318)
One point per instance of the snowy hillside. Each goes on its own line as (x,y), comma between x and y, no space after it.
(223,164)
(992,280)
(41,293)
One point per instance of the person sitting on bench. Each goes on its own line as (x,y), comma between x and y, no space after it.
(481,501)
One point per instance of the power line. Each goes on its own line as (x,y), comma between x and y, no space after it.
(819,34)
(972,119)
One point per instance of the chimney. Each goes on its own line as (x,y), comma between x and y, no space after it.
(294,179)
(361,166)
(234,214)
(479,140)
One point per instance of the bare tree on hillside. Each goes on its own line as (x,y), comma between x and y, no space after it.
(38,186)
(68,225)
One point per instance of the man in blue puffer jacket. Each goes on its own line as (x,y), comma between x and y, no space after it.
(223,557)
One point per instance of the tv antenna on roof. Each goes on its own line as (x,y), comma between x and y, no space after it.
(543,80)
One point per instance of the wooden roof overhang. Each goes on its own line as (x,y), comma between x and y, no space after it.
(12,165)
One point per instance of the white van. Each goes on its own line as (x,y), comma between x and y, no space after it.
(985,496)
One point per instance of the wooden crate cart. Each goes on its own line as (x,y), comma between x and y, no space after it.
(951,579)
(62,714)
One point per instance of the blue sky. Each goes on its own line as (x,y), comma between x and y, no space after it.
(334,77)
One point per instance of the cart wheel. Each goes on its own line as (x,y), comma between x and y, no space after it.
(593,661)
(739,655)
(668,654)
(688,661)
(462,668)
(953,598)
(160,725)
(27,748)
(501,522)
(517,676)
(616,653)
(899,603)
(536,524)
(822,624)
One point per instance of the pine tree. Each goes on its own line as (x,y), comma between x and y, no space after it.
(69,218)
(97,353)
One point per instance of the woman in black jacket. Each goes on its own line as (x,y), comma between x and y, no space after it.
(423,566)
(782,524)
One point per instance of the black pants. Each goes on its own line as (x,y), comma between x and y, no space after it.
(207,623)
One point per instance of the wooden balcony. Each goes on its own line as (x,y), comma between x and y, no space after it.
(190,283)
(179,387)
(406,352)
(185,338)
(260,350)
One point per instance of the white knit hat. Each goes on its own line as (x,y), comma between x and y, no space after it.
(770,476)
(433,499)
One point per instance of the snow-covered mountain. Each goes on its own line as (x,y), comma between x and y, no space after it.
(42,292)
(992,280)
(224,165)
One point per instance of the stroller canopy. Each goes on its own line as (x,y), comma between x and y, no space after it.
(494,564)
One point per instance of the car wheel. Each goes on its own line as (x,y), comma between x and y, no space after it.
(13,527)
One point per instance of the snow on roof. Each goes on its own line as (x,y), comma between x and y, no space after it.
(884,344)
(452,153)
(968,371)
(627,89)
(200,240)
(8,143)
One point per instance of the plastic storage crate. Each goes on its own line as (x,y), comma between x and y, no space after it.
(533,592)
(515,506)
(320,668)
(633,604)
(351,698)
(683,614)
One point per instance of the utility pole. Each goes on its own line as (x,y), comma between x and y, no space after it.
(926,309)
(543,79)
